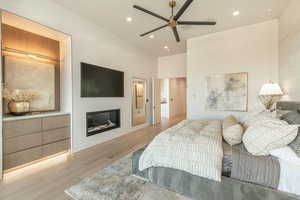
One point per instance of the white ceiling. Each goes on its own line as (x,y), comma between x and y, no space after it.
(111,14)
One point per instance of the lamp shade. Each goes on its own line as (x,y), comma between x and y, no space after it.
(271,89)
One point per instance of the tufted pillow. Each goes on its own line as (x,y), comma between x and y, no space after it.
(233,135)
(232,131)
(295,145)
(260,139)
(292,117)
(229,121)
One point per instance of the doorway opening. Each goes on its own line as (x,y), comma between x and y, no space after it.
(172,99)
(139,101)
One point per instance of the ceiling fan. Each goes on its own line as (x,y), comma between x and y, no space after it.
(173,21)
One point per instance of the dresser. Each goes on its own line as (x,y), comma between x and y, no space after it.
(35,138)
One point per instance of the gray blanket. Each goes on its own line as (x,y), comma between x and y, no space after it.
(200,188)
(262,170)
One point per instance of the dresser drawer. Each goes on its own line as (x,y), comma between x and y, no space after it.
(23,157)
(21,127)
(56,135)
(56,122)
(54,148)
(16,144)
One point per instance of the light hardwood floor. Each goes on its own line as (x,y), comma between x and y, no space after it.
(48,180)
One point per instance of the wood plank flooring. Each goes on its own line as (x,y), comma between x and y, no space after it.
(48,180)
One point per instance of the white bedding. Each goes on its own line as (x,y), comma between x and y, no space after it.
(191,146)
(289,170)
(289,177)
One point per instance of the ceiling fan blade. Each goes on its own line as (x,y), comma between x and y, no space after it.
(150,13)
(176,34)
(142,35)
(182,9)
(195,23)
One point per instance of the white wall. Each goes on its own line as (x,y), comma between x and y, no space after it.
(289,45)
(172,66)
(95,45)
(252,49)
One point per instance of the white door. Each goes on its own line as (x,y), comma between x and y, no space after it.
(156,109)
(177,97)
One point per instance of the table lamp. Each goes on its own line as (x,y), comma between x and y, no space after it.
(269,94)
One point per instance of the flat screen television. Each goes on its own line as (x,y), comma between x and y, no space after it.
(101,82)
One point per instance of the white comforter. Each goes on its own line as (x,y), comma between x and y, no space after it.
(289,180)
(289,177)
(191,146)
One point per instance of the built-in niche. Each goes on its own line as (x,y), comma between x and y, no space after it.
(38,58)
(35,60)
(31,63)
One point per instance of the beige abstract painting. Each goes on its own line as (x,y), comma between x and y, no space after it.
(30,75)
(227,92)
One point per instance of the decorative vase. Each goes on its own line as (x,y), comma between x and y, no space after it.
(18,108)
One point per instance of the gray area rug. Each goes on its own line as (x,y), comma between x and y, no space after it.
(116,182)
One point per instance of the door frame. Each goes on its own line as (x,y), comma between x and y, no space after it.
(1,102)
(145,99)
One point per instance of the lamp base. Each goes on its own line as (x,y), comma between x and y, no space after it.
(269,100)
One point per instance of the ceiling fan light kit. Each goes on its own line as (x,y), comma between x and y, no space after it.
(173,21)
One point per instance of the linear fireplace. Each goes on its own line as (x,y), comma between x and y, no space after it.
(98,122)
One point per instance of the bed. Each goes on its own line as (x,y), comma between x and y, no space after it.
(197,187)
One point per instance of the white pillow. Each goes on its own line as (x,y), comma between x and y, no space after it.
(260,139)
(255,114)
(232,130)
(263,120)
(233,134)
(286,154)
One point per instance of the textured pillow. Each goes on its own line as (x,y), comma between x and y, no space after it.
(232,130)
(229,121)
(264,120)
(250,116)
(260,139)
(233,135)
(295,145)
(292,117)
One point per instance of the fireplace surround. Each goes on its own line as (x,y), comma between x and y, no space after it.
(101,121)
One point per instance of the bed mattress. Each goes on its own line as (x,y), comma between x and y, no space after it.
(196,187)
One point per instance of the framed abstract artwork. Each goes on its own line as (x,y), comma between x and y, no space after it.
(35,76)
(227,92)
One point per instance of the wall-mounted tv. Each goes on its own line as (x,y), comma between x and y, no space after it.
(101,82)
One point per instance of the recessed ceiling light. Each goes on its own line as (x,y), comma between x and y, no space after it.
(128,19)
(236,13)
(151,36)
(32,56)
(166,48)
(270,10)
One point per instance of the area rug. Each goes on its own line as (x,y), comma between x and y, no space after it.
(116,182)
